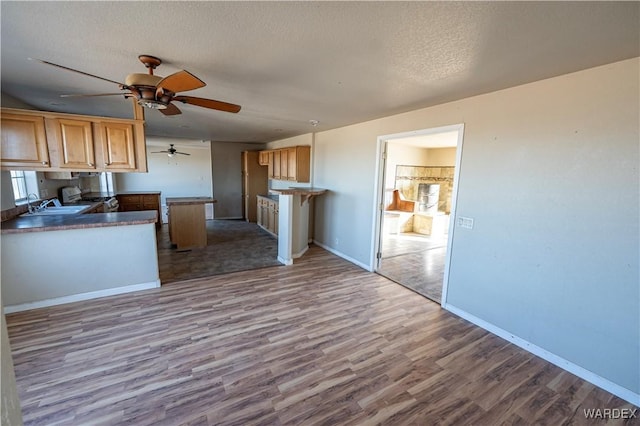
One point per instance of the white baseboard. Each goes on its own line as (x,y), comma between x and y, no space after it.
(342,255)
(285,262)
(79,297)
(300,253)
(581,372)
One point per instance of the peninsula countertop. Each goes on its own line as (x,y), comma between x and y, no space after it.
(34,223)
(190,200)
(299,191)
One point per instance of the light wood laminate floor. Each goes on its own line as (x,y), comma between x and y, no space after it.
(416,261)
(319,342)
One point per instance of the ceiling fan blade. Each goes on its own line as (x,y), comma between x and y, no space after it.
(171,109)
(159,152)
(182,81)
(208,103)
(97,94)
(181,153)
(77,71)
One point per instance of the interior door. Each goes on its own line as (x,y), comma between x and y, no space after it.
(413,247)
(381,206)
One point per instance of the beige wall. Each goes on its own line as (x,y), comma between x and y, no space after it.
(227,177)
(441,157)
(549,173)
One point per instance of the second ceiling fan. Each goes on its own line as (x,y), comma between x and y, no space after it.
(157,92)
(170,152)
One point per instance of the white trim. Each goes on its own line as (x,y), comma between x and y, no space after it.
(378,189)
(300,253)
(342,255)
(452,215)
(285,228)
(565,364)
(378,196)
(285,262)
(81,296)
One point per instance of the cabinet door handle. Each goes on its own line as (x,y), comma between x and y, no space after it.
(90,164)
(45,162)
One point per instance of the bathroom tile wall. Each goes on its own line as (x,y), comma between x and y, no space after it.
(409,177)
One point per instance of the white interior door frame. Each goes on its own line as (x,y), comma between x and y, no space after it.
(378,205)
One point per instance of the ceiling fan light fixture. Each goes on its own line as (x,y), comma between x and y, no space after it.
(156,92)
(151,104)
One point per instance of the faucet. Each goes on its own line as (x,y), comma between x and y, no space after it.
(29,206)
(45,203)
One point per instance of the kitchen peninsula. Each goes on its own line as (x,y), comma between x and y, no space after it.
(187,221)
(293,221)
(51,260)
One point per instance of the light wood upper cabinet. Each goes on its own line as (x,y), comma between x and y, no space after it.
(276,165)
(48,141)
(269,164)
(292,164)
(303,164)
(24,143)
(263,158)
(71,144)
(118,146)
(284,164)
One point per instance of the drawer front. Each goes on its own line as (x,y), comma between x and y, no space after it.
(130,207)
(129,199)
(150,200)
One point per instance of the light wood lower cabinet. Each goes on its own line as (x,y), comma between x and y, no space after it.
(47,141)
(187,226)
(132,202)
(187,221)
(268,211)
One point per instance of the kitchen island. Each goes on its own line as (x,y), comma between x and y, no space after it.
(187,221)
(51,260)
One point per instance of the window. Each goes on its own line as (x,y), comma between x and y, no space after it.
(23,183)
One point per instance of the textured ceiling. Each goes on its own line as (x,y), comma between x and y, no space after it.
(290,62)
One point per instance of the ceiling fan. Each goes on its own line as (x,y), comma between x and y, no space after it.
(156,92)
(170,152)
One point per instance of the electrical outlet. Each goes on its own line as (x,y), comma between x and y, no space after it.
(465,222)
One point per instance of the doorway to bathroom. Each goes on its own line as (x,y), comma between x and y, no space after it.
(417,193)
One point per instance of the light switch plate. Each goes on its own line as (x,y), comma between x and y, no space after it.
(465,222)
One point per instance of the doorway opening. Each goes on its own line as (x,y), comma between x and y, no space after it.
(416,197)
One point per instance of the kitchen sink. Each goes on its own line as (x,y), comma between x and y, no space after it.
(58,210)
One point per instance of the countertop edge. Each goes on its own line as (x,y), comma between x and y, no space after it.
(91,220)
(300,191)
(189,200)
